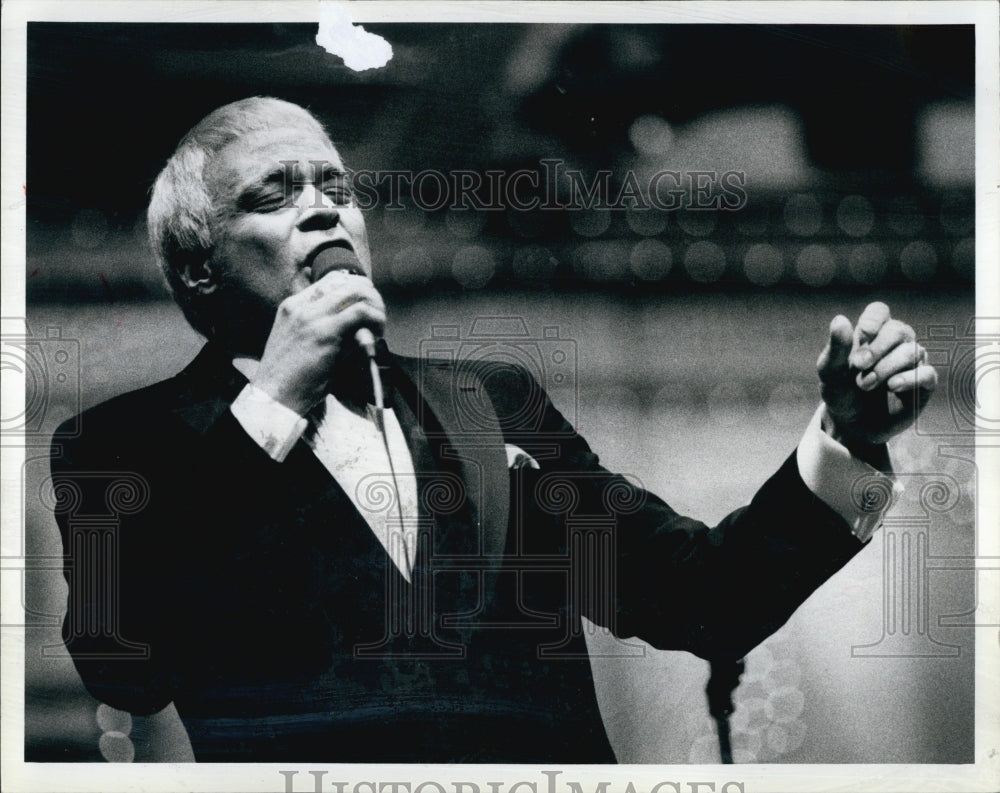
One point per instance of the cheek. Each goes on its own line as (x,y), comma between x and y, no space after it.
(255,247)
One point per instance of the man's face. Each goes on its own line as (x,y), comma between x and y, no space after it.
(280,196)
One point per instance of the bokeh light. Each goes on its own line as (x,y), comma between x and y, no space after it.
(763,264)
(784,704)
(650,135)
(963,258)
(697,222)
(473,266)
(815,265)
(116,747)
(751,714)
(464,223)
(803,215)
(855,216)
(602,261)
(918,260)
(704,261)
(411,266)
(785,672)
(867,263)
(403,220)
(646,222)
(113,720)
(650,260)
(589,222)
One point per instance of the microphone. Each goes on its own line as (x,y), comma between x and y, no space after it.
(343,259)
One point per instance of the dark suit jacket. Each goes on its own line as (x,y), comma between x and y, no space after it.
(254,595)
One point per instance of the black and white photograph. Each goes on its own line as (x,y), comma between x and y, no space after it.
(490,397)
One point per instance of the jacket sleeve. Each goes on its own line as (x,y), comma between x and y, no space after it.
(678,584)
(116,629)
(147,509)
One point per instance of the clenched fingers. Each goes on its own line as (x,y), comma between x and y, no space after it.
(906,355)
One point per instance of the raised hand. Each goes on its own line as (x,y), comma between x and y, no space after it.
(309,330)
(874,378)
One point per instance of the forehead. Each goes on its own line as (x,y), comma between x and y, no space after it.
(254,156)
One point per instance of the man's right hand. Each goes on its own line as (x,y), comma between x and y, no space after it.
(309,331)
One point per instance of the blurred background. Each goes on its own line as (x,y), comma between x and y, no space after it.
(685,339)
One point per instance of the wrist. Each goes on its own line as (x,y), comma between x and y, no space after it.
(289,398)
(874,453)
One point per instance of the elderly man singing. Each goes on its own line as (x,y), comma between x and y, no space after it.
(327,563)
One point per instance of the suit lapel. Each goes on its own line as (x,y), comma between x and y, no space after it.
(477,450)
(208,387)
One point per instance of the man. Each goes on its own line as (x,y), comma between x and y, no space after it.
(258,577)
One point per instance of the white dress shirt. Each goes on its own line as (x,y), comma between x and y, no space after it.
(381,484)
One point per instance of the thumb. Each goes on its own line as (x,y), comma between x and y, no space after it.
(833,360)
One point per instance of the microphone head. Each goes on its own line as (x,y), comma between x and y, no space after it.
(334,259)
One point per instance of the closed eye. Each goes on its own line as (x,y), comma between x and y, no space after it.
(264,200)
(341,196)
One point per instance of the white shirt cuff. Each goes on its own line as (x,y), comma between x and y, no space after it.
(859,493)
(273,426)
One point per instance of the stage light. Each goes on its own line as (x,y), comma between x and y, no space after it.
(855,216)
(815,265)
(963,258)
(464,223)
(473,266)
(803,215)
(763,264)
(646,222)
(867,263)
(411,266)
(918,261)
(705,262)
(589,222)
(697,222)
(650,260)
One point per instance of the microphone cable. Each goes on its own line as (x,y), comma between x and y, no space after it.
(366,340)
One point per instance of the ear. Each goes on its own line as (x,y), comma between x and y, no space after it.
(198,276)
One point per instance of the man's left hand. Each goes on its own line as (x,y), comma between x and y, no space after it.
(874,378)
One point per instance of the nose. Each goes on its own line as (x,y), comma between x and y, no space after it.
(317,212)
